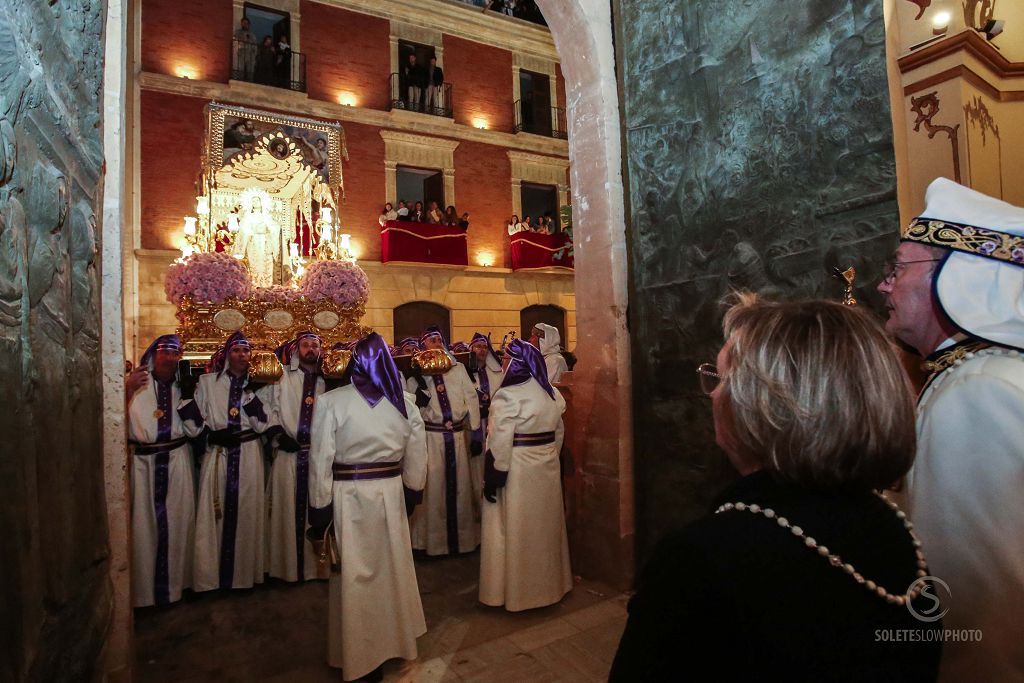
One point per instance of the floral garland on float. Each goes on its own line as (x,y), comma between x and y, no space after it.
(214,295)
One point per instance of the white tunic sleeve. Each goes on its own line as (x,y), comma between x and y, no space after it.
(471,398)
(414,461)
(502,426)
(321,454)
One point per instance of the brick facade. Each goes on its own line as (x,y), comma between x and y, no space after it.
(187,34)
(483,186)
(364,188)
(482,83)
(171,144)
(346,53)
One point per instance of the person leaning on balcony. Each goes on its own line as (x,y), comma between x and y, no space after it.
(451,217)
(265,62)
(418,215)
(245,52)
(284,62)
(514,225)
(434,215)
(802,570)
(403,210)
(388,213)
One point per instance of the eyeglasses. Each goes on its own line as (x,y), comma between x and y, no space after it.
(891,267)
(709,377)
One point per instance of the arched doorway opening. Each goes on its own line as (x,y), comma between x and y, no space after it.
(548,314)
(414,317)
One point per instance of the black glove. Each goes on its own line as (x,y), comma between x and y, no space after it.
(319,519)
(422,398)
(412,499)
(225,438)
(286,443)
(331,383)
(476,447)
(494,479)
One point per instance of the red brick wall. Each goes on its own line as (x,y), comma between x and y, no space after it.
(188,33)
(482,82)
(483,187)
(346,52)
(560,86)
(170,145)
(364,188)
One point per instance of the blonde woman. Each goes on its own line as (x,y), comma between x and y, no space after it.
(802,570)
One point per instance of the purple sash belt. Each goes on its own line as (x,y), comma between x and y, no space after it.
(367,470)
(536,439)
(154,448)
(448,427)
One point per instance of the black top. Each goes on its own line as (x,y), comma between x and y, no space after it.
(735,596)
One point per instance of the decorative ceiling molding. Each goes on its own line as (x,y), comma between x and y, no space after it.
(972,44)
(421,140)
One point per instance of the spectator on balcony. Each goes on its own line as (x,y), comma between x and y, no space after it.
(527,224)
(435,87)
(464,221)
(245,52)
(403,210)
(415,77)
(434,215)
(418,215)
(514,225)
(284,62)
(388,213)
(266,60)
(451,217)
(507,7)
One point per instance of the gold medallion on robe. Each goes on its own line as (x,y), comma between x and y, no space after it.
(233,412)
(158,413)
(440,388)
(309,400)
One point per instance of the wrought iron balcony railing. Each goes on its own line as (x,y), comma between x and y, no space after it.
(265,65)
(434,100)
(547,121)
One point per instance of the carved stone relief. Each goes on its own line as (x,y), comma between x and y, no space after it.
(56,592)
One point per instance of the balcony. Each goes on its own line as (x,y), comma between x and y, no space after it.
(263,64)
(433,100)
(540,120)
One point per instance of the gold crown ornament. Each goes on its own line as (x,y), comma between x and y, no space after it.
(432,361)
(265,367)
(336,363)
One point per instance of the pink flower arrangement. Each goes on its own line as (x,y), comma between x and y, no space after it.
(210,277)
(276,294)
(342,282)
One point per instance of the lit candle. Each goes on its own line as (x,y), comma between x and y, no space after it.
(346,244)
(233,222)
(326,215)
(202,205)
(190,225)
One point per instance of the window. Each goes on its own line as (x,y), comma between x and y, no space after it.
(419,185)
(542,313)
(414,317)
(540,200)
(262,50)
(534,111)
(418,85)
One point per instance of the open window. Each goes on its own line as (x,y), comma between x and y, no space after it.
(540,200)
(419,185)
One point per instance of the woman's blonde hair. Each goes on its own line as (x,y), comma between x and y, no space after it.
(817,393)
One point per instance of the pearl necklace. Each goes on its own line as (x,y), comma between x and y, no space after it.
(835,560)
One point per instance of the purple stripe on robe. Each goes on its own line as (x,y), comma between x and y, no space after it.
(485,403)
(309,380)
(161,476)
(451,477)
(229,526)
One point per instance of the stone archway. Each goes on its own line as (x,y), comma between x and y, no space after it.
(601,385)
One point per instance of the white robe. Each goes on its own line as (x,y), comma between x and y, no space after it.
(430,521)
(964,496)
(476,463)
(524,550)
(551,349)
(375,609)
(212,396)
(285,400)
(180,500)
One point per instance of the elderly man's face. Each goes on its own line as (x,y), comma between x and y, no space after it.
(480,351)
(908,293)
(433,342)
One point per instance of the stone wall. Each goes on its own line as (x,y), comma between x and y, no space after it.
(55,596)
(759,146)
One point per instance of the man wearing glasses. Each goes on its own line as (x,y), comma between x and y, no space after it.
(955,292)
